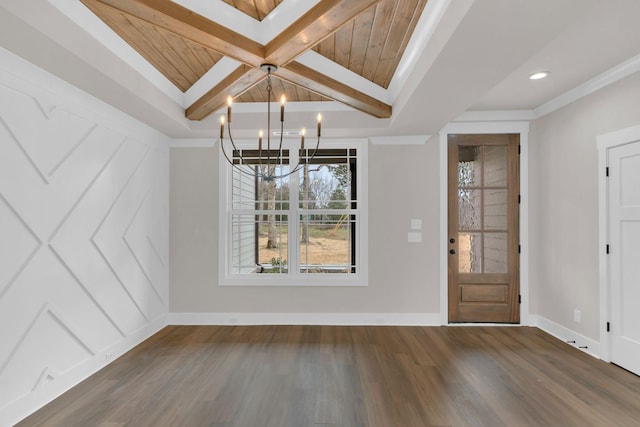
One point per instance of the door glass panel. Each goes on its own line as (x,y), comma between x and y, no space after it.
(495,166)
(470,166)
(495,209)
(482,211)
(470,252)
(469,209)
(495,253)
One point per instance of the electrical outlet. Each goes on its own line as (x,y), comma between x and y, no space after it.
(414,237)
(416,224)
(577,315)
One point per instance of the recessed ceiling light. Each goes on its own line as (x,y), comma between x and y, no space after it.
(539,75)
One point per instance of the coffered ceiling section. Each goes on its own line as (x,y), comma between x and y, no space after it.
(257,9)
(364,37)
(372,44)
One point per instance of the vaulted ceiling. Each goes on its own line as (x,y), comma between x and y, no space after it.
(373,67)
(367,37)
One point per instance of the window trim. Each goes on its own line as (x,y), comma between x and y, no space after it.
(295,278)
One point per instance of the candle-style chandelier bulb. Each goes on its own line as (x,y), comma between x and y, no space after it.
(266,174)
(282,101)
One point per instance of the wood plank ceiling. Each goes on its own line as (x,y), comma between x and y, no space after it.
(368,37)
(257,9)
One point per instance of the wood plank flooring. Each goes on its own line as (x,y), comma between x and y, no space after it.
(350,376)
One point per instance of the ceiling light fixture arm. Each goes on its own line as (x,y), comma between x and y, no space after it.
(261,172)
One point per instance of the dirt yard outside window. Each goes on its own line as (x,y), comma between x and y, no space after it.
(327,246)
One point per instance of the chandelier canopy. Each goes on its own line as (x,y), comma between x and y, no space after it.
(266,157)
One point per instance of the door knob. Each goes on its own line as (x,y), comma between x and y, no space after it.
(452,251)
(452,240)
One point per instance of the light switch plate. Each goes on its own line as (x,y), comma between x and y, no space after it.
(414,237)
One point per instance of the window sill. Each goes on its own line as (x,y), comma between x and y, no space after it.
(277,280)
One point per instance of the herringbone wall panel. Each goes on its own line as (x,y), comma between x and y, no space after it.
(83,234)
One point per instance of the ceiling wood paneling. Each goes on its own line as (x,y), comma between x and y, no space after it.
(182,22)
(373,43)
(180,60)
(314,26)
(258,93)
(239,81)
(365,36)
(257,9)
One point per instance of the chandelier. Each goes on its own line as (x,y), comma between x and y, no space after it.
(266,157)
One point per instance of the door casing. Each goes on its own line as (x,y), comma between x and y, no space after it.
(605,143)
(484,297)
(521,128)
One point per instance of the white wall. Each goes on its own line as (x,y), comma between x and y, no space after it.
(563,230)
(83,235)
(403,277)
(563,211)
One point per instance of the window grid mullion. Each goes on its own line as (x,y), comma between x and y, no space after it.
(294,219)
(294,211)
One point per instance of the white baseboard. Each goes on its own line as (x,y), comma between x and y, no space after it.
(22,408)
(342,319)
(567,335)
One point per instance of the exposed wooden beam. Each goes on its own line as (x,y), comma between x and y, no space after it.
(318,23)
(188,24)
(315,81)
(241,79)
(314,26)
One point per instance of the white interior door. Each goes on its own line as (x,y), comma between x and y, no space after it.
(624,280)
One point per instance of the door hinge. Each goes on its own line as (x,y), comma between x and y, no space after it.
(519,198)
(608,327)
(607,249)
(519,299)
(519,249)
(519,149)
(606,171)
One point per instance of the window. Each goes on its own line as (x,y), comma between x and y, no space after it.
(306,228)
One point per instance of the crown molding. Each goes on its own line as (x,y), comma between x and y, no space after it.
(399,140)
(610,76)
(495,116)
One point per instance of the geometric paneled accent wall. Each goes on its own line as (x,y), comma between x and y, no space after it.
(83,235)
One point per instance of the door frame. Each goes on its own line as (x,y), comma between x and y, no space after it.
(605,143)
(516,127)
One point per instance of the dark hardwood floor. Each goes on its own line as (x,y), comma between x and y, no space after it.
(350,376)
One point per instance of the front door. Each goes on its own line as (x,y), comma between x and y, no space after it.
(483,236)
(624,279)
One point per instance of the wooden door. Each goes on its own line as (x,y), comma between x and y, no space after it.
(483,236)
(624,253)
